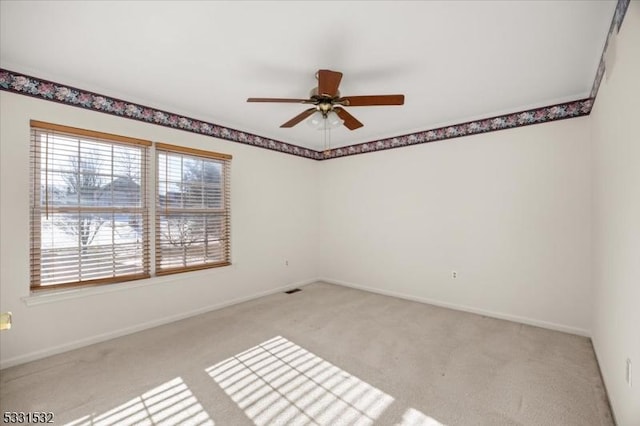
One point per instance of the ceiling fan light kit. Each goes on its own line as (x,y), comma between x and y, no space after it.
(328,111)
(318,119)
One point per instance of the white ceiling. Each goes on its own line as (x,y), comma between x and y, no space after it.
(453,60)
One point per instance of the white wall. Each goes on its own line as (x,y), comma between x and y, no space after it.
(509,211)
(513,212)
(616,222)
(274,212)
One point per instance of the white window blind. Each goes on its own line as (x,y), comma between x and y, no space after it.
(89,209)
(193,211)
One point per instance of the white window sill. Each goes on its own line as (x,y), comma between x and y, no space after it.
(43,296)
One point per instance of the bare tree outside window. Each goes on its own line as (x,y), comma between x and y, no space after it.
(84,182)
(129,163)
(181,232)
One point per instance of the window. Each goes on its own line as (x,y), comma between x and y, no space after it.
(192,209)
(89,217)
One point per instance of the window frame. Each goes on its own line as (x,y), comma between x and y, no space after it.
(36,205)
(224,211)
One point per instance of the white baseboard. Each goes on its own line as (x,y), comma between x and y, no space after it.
(43,353)
(493,314)
(594,345)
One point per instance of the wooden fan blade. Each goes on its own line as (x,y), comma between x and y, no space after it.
(298,118)
(373,100)
(328,82)
(350,122)
(286,100)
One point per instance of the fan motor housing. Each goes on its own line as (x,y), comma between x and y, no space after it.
(324,103)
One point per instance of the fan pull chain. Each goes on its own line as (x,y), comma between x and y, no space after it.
(327,136)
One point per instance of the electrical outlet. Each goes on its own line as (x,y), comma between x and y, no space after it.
(629,372)
(286,262)
(454,274)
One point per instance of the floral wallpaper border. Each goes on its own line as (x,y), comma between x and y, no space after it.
(500,122)
(47,90)
(616,23)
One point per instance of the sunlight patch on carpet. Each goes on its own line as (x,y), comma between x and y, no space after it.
(170,404)
(278,382)
(413,417)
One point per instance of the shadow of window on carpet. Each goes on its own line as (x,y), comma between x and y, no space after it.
(171,403)
(278,382)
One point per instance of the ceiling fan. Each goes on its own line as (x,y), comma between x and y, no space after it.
(326,99)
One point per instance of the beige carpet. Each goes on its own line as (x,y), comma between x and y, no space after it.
(325,355)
